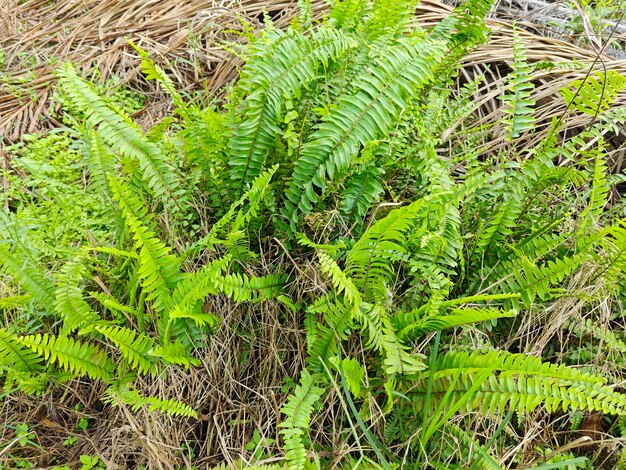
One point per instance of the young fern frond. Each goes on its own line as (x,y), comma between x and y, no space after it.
(518,105)
(298,410)
(70,303)
(158,270)
(153,72)
(389,17)
(408,327)
(29,276)
(599,193)
(388,86)
(116,395)
(272,76)
(239,214)
(361,190)
(197,286)
(135,347)
(383,338)
(14,356)
(73,356)
(242,288)
(369,262)
(121,134)
(596,93)
(519,381)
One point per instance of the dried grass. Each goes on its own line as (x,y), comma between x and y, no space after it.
(237,389)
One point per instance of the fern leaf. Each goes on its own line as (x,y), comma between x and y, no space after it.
(361,191)
(120,394)
(392,81)
(518,105)
(175,353)
(75,357)
(135,347)
(159,271)
(369,263)
(594,94)
(70,304)
(153,72)
(121,134)
(14,356)
(243,288)
(30,277)
(522,382)
(298,410)
(454,317)
(273,76)
(389,17)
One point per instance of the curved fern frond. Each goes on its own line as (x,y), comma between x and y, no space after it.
(196,286)
(70,303)
(153,72)
(519,381)
(123,135)
(389,17)
(75,357)
(361,191)
(369,262)
(453,317)
(29,276)
(298,410)
(256,289)
(14,356)
(158,270)
(341,282)
(594,94)
(175,353)
(271,77)
(135,347)
(383,338)
(393,80)
(122,394)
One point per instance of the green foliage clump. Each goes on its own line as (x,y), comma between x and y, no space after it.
(335,143)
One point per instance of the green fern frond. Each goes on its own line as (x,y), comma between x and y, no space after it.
(380,94)
(176,353)
(110,302)
(121,134)
(77,358)
(519,381)
(298,410)
(453,317)
(135,347)
(369,262)
(153,72)
(256,289)
(389,17)
(383,338)
(121,394)
(272,76)
(29,276)
(70,303)
(197,286)
(158,270)
(14,356)
(14,301)
(361,191)
(599,192)
(341,282)
(594,94)
(518,105)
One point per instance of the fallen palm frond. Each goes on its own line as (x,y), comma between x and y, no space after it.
(188,39)
(553,70)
